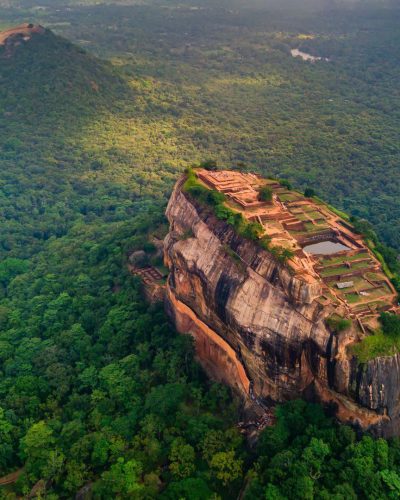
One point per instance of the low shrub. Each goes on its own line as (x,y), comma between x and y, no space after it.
(383,342)
(285,183)
(209,165)
(338,324)
(374,346)
(390,324)
(265,194)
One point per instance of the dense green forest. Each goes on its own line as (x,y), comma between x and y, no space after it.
(217,80)
(95,386)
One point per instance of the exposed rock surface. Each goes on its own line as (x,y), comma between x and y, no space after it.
(12,38)
(261,330)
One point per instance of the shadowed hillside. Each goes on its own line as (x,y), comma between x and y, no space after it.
(50,92)
(47,79)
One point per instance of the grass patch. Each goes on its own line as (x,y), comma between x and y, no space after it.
(353,298)
(302,216)
(316,228)
(338,324)
(383,342)
(288,197)
(363,264)
(321,223)
(314,214)
(374,346)
(326,261)
(359,284)
(310,226)
(335,271)
(378,292)
(375,276)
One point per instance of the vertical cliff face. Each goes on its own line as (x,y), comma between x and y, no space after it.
(260,328)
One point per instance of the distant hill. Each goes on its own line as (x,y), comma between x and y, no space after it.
(50,92)
(43,76)
(14,37)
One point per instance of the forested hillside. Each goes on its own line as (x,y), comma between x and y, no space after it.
(95,387)
(50,92)
(217,80)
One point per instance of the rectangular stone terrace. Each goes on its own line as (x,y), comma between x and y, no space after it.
(324,246)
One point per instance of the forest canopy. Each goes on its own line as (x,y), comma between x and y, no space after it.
(96,388)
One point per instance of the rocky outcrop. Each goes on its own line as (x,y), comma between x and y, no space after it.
(14,37)
(376,385)
(261,329)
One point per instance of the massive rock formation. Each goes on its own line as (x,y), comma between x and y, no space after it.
(261,329)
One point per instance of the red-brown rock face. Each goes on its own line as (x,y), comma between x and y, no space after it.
(260,329)
(13,37)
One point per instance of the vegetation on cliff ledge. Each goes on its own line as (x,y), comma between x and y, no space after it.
(216,201)
(338,324)
(383,342)
(374,346)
